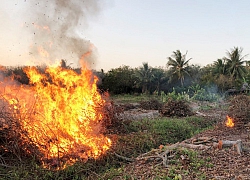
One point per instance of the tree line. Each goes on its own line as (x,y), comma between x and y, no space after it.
(228,72)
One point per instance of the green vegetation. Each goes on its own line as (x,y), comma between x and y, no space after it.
(178,66)
(128,98)
(144,75)
(168,130)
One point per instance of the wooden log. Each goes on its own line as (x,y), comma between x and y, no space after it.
(227,143)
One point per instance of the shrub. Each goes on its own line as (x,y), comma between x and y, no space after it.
(203,95)
(174,95)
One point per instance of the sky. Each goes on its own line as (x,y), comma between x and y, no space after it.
(131,32)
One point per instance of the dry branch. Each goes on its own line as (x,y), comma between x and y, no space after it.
(165,153)
(124,158)
(164,156)
(202,140)
(194,146)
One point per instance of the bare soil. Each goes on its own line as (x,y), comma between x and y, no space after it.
(228,164)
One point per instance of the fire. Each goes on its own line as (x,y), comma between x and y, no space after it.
(61,111)
(229,122)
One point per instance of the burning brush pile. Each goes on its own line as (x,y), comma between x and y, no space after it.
(58,118)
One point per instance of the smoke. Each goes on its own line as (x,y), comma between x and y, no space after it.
(55,26)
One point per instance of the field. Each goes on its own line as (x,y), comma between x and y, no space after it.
(138,143)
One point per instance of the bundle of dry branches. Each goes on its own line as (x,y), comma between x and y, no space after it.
(152,104)
(177,108)
(14,139)
(165,153)
(239,109)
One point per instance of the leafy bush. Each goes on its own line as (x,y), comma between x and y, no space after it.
(201,94)
(175,96)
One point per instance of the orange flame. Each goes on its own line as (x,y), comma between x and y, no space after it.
(229,122)
(61,111)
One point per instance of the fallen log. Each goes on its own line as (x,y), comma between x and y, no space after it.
(226,143)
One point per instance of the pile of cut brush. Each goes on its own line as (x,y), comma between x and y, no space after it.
(239,109)
(13,139)
(177,108)
(111,121)
(152,104)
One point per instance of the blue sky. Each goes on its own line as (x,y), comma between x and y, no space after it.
(135,31)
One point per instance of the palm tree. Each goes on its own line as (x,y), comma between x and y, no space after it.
(219,67)
(235,62)
(178,65)
(144,73)
(248,64)
(159,78)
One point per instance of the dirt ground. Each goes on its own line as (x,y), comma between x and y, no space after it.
(227,163)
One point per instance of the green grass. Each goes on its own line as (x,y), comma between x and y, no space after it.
(171,130)
(206,108)
(127,98)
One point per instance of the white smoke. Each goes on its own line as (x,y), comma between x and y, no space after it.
(55,24)
(51,28)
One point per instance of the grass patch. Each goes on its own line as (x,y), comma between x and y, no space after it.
(206,108)
(127,98)
(171,130)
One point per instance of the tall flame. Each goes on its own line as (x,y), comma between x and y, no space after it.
(229,122)
(61,111)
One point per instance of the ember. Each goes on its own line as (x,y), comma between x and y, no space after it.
(229,122)
(61,111)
